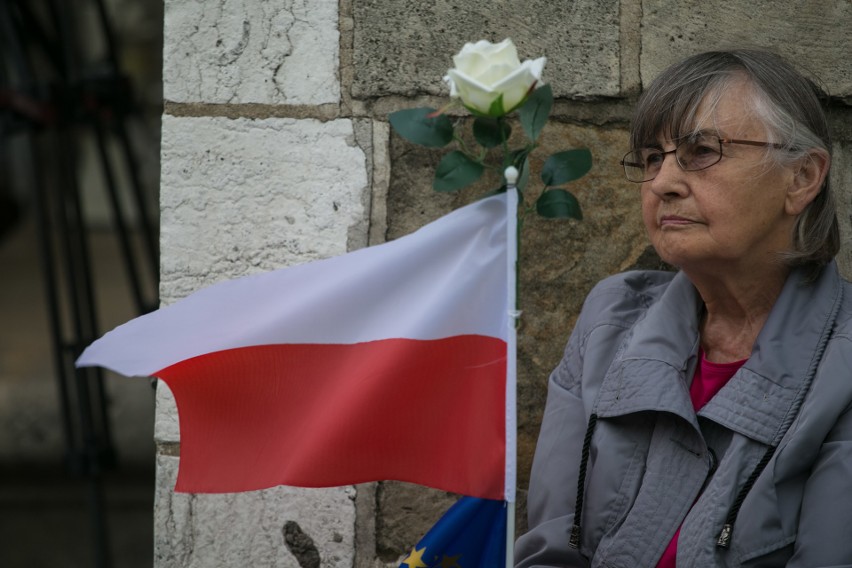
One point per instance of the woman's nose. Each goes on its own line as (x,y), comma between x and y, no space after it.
(669,181)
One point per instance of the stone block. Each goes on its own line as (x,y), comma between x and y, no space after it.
(405,47)
(282,527)
(251,52)
(815,36)
(244,196)
(405,512)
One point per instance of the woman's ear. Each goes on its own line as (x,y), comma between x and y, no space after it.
(808,180)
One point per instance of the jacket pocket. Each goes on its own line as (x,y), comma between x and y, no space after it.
(761,536)
(616,469)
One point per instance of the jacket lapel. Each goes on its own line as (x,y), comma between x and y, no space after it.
(651,370)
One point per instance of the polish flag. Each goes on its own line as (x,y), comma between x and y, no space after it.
(391,362)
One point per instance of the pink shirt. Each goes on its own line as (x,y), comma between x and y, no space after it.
(708,380)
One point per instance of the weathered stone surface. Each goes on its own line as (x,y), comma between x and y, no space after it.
(365,525)
(405,513)
(245,196)
(815,36)
(841,184)
(251,52)
(560,262)
(260,528)
(630,45)
(381,180)
(405,47)
(166,427)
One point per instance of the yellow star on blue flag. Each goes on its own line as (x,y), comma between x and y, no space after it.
(471,534)
(415,558)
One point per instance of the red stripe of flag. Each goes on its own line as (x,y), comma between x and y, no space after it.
(425,411)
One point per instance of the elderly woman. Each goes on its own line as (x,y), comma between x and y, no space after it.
(704,418)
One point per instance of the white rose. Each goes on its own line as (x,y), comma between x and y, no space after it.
(484,71)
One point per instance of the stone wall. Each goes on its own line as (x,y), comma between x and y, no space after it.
(276,150)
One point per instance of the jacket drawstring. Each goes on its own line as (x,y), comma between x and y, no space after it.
(574,539)
(724,540)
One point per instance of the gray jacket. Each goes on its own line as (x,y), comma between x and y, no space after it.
(653,465)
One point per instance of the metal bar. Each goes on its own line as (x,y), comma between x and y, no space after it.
(149,239)
(118,218)
(48,268)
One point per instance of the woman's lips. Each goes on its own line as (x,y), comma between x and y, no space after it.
(674,221)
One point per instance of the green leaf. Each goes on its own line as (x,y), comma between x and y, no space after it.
(456,171)
(535,110)
(558,204)
(563,167)
(414,125)
(490,132)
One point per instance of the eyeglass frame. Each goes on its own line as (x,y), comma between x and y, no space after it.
(682,167)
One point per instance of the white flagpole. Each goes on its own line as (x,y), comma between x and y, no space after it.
(511,175)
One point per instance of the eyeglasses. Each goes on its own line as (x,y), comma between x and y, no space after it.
(693,154)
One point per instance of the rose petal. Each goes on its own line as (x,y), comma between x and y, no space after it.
(516,86)
(473,64)
(474,55)
(473,94)
(530,69)
(504,52)
(536,67)
(454,92)
(494,74)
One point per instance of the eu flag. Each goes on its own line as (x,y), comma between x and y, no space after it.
(471,534)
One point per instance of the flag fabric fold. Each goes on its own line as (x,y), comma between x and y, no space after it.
(389,362)
(471,534)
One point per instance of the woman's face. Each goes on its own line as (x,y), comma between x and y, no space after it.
(729,216)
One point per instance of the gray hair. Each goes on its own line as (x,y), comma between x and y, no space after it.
(789,105)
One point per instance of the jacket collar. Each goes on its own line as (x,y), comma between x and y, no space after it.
(655,364)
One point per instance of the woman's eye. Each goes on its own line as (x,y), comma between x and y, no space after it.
(653,158)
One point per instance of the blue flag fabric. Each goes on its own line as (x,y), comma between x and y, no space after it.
(471,534)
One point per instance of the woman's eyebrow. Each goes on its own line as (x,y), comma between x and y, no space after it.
(694,134)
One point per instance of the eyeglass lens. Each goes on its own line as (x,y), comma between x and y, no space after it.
(694,153)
